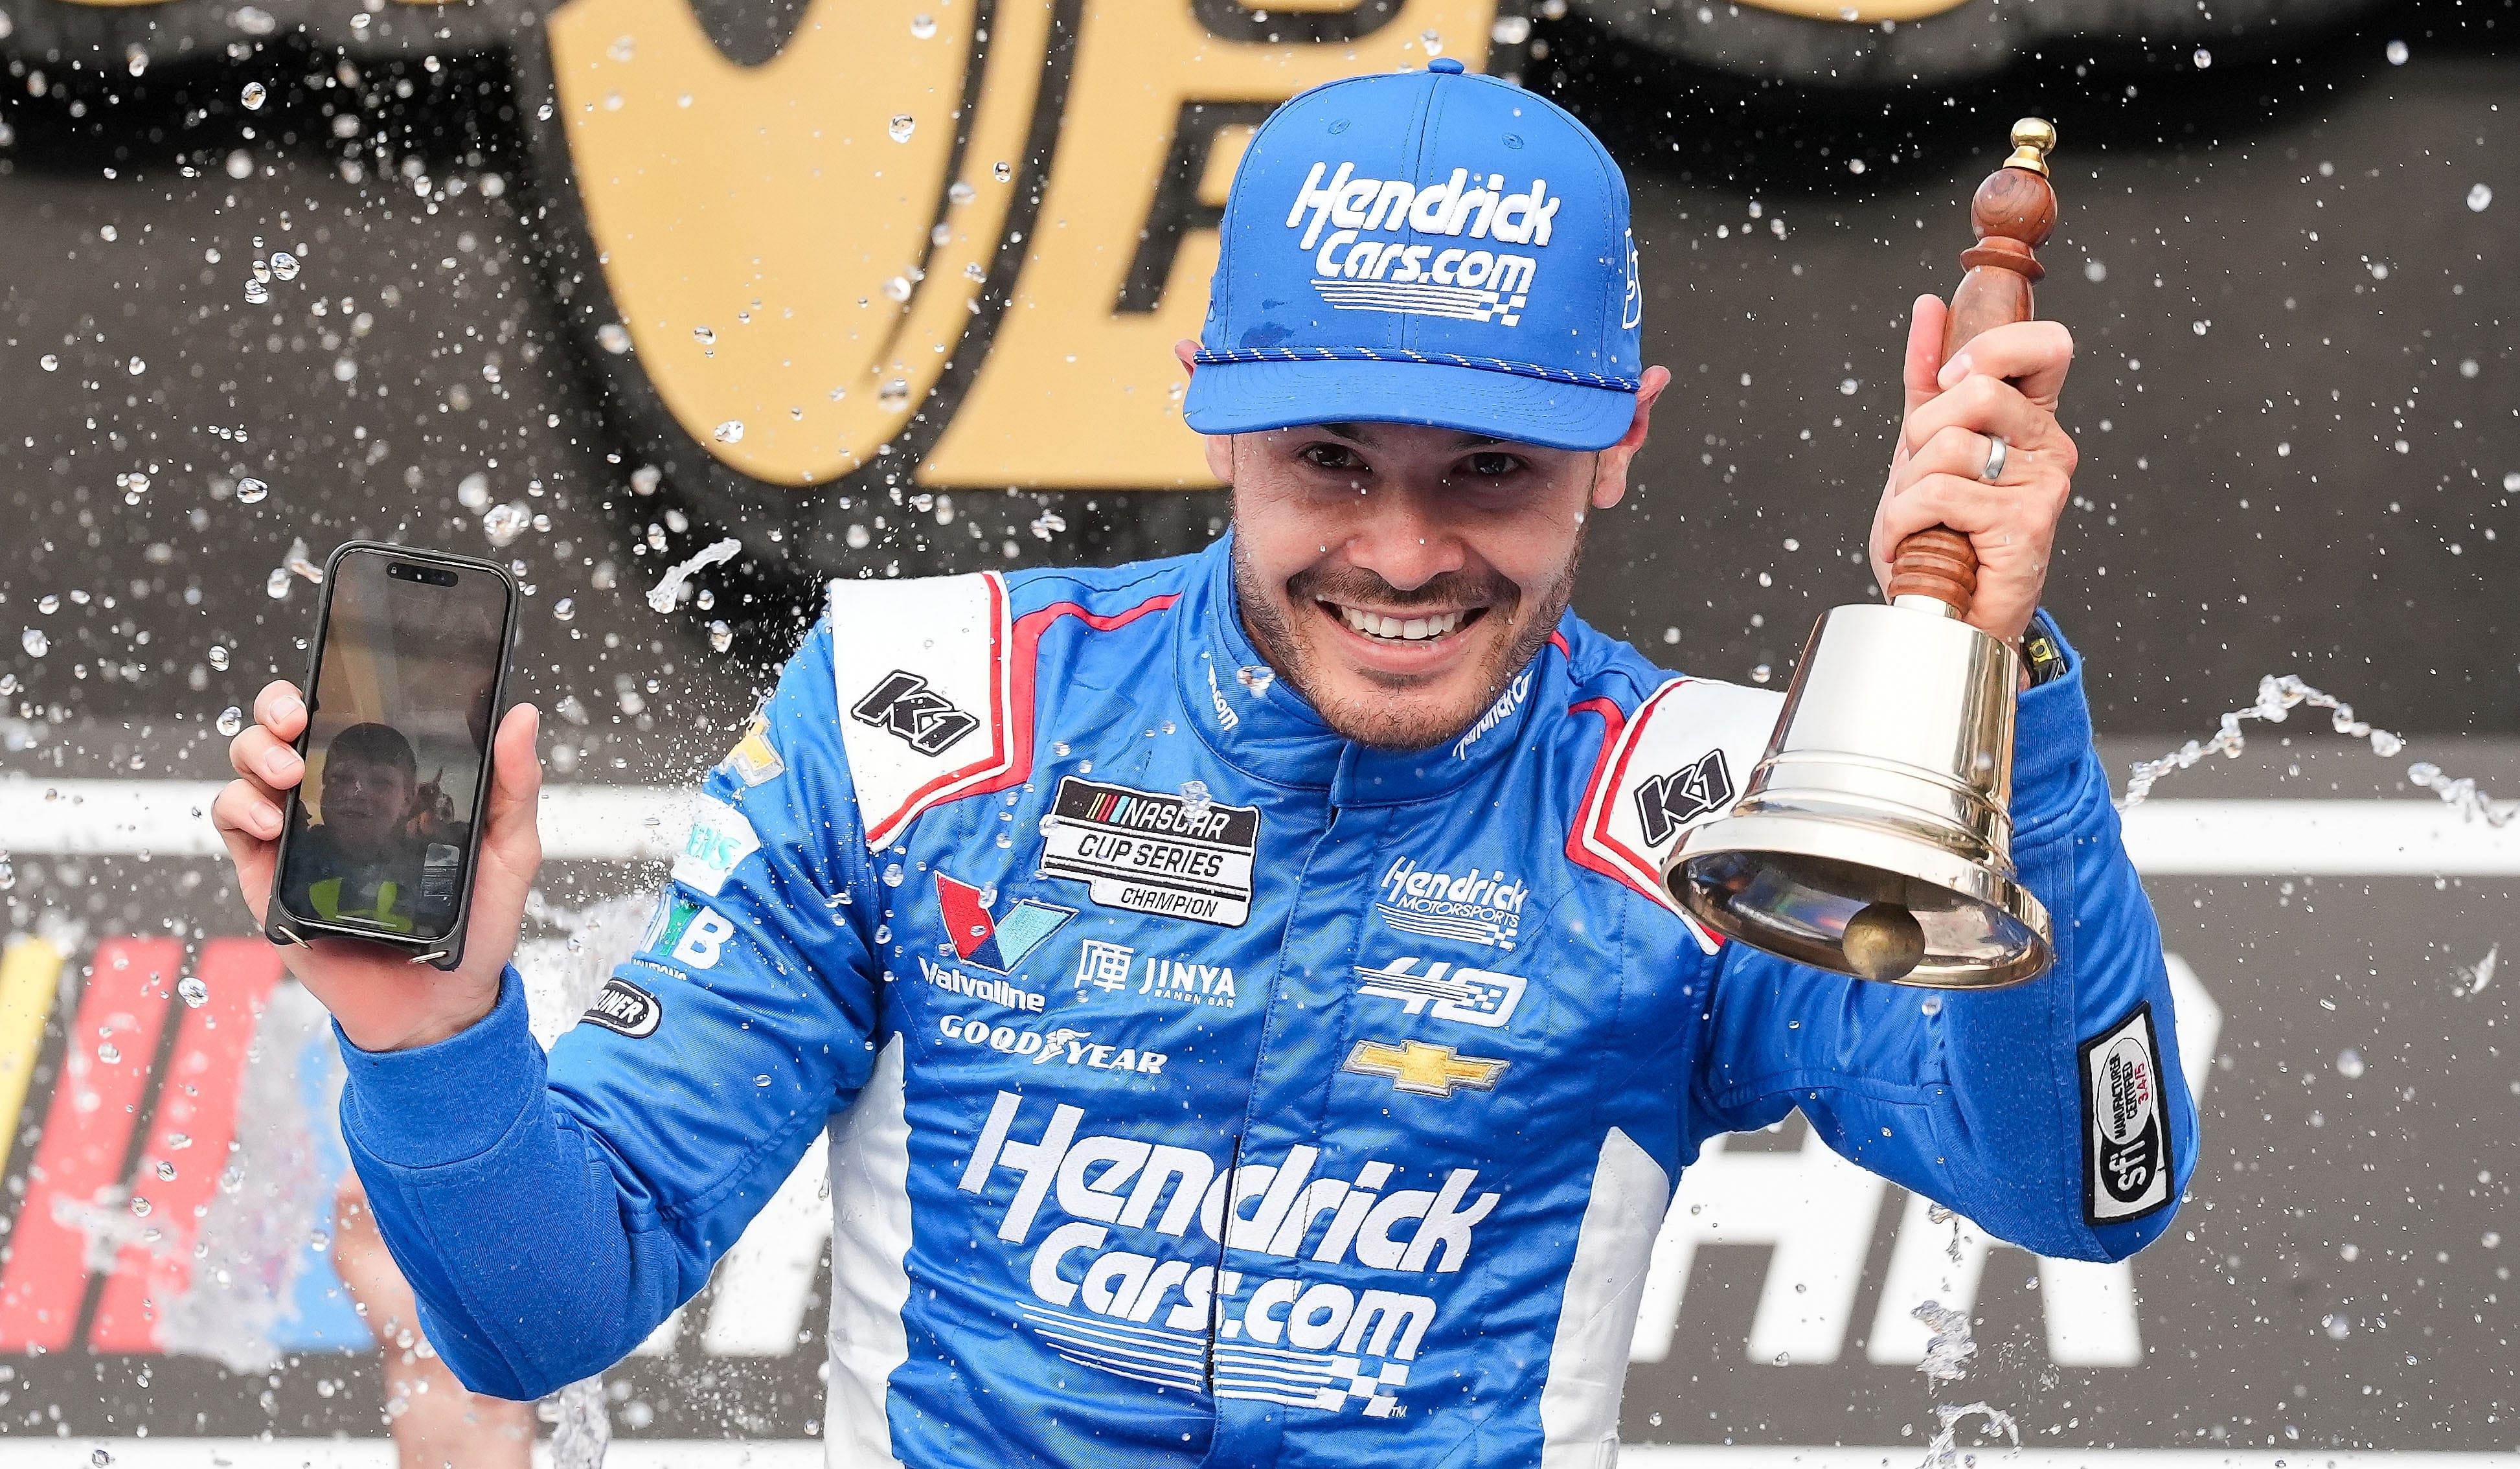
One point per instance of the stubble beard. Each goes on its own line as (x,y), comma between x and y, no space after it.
(1394,721)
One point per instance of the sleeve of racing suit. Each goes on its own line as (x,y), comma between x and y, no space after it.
(1980,1099)
(550,1213)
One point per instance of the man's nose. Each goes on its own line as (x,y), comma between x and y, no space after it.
(1401,535)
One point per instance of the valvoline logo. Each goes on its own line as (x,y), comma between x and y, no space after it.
(988,942)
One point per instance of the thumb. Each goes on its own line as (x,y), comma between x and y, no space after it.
(1924,350)
(516,787)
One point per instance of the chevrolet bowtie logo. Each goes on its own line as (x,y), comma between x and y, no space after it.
(1427,1070)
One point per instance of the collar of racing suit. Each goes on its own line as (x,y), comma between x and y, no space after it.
(1255,722)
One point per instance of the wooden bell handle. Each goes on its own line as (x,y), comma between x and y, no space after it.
(2014,213)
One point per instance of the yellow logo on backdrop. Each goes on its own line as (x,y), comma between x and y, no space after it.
(803,248)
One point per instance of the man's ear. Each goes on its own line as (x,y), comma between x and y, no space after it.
(1610,471)
(1219,447)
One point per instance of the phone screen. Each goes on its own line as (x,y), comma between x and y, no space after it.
(397,746)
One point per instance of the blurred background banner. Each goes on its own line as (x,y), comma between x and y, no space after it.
(890,288)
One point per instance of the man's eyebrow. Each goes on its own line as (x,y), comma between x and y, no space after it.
(1367,433)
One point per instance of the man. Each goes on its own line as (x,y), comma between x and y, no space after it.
(381,853)
(1235,988)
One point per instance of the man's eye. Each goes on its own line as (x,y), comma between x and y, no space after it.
(1492,466)
(1331,456)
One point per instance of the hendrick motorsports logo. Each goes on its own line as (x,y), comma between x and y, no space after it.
(1476,906)
(1151,852)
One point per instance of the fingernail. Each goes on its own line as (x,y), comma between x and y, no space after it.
(266,819)
(287,706)
(1953,371)
(277,764)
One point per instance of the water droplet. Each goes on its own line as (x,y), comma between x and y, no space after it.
(721,637)
(1195,797)
(613,338)
(33,641)
(2480,198)
(922,27)
(276,584)
(284,265)
(218,657)
(1256,677)
(253,95)
(2397,52)
(564,609)
(49,363)
(961,193)
(133,485)
(100,1458)
(255,293)
(135,61)
(731,431)
(239,164)
(2095,272)
(2349,1063)
(903,124)
(895,393)
(108,1052)
(165,1171)
(1762,674)
(196,993)
(892,874)
(1433,42)
(1002,171)
(704,335)
(1854,166)
(1047,524)
(622,48)
(249,491)
(231,720)
(472,492)
(48,603)
(898,287)
(503,524)
(2203,57)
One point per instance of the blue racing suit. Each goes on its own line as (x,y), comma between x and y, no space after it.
(1202,1087)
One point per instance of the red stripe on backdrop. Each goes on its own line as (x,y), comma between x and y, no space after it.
(198,1099)
(87,1131)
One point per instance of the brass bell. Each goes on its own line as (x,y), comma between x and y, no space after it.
(1875,837)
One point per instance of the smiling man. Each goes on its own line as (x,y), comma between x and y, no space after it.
(1233,991)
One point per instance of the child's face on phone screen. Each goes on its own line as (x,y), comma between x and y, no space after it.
(365,802)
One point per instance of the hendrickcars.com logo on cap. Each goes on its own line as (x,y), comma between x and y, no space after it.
(1425,247)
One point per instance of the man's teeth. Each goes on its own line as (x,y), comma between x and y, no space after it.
(1409,629)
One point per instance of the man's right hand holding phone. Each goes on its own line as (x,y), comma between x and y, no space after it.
(382,999)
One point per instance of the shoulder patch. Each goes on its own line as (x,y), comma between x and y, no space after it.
(624,1006)
(720,839)
(922,671)
(2127,1168)
(1681,760)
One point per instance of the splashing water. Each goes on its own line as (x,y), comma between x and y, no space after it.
(297,564)
(669,590)
(582,1433)
(1943,1452)
(196,993)
(1948,1351)
(251,491)
(2276,699)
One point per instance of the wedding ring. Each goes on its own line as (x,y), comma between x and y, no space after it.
(1998,451)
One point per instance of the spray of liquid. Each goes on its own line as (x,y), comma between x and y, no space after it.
(2277,698)
(1943,1452)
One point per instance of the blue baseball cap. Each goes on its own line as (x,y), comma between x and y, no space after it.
(1425,247)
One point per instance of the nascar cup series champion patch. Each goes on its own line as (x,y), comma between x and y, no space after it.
(1427,247)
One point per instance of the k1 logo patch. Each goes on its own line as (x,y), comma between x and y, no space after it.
(2127,1168)
(903,705)
(1153,853)
(1667,803)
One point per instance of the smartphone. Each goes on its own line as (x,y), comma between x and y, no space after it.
(408,678)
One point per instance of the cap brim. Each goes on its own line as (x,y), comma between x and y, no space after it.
(1250,397)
